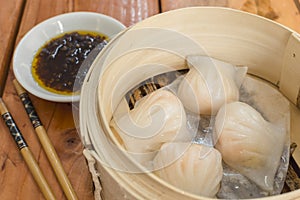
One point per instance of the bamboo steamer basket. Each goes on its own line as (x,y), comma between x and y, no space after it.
(270,50)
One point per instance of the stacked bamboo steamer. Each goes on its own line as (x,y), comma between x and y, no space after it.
(159,44)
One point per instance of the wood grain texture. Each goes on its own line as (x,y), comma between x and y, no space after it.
(57,118)
(10,15)
(128,12)
(167,5)
(18,183)
(285,12)
(15,179)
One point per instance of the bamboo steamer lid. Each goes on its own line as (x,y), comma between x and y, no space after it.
(159,44)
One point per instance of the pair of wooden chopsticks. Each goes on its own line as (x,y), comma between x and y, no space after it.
(45,142)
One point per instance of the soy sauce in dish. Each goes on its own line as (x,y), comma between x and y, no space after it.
(56,64)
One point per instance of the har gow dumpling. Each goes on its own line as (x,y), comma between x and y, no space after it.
(209,84)
(248,143)
(157,118)
(194,168)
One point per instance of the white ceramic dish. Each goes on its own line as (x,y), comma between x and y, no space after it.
(43,32)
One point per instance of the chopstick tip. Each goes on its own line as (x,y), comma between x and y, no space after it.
(20,90)
(3,108)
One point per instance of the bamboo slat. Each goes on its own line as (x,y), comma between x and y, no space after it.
(15,179)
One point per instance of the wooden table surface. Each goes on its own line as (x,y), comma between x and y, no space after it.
(19,16)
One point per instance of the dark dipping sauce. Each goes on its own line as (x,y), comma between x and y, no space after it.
(56,65)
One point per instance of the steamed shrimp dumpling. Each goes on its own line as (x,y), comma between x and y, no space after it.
(157,118)
(194,168)
(209,84)
(248,143)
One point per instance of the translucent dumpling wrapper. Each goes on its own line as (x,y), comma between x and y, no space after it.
(248,143)
(192,167)
(157,118)
(209,84)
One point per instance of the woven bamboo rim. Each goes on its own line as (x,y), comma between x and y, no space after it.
(270,50)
